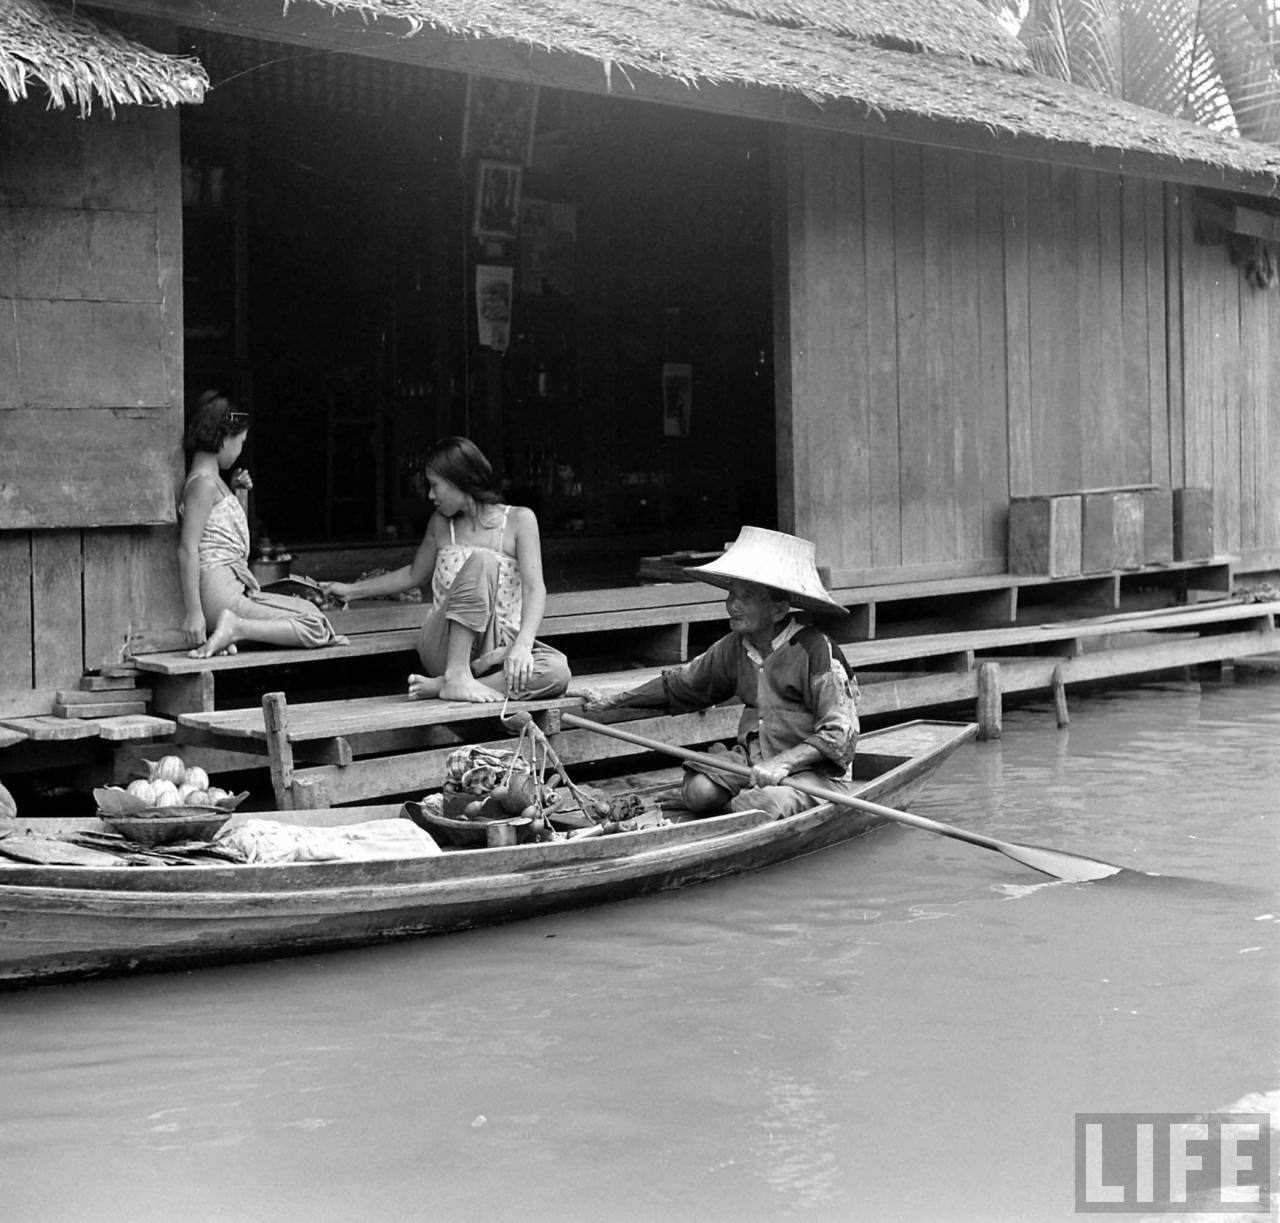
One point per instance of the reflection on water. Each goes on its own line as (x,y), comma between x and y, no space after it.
(897,1029)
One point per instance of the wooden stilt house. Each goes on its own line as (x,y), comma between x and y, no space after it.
(853,271)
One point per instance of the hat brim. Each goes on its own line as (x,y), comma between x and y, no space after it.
(807,600)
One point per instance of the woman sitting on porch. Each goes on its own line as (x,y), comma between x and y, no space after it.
(223,601)
(483,561)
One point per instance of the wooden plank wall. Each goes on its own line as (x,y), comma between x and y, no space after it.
(90,390)
(1230,411)
(90,317)
(960,329)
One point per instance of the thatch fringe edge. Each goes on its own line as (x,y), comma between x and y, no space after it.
(80,62)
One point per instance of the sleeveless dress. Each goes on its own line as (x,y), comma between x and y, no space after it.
(227,582)
(477,585)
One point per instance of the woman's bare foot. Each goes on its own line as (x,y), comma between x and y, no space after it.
(425,687)
(223,638)
(467,688)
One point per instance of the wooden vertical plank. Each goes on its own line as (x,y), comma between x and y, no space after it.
(821,351)
(1061,406)
(168,253)
(937,436)
(787,192)
(57,610)
(1043,289)
(110,592)
(908,242)
(1269,445)
(992,411)
(849,542)
(884,456)
(1107,450)
(1096,422)
(1021,478)
(1157,360)
(1223,356)
(130,586)
(17,667)
(1197,290)
(1174,293)
(969,502)
(1252,483)
(1134,407)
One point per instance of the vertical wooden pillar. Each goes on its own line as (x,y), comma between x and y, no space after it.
(275,718)
(990,713)
(1060,696)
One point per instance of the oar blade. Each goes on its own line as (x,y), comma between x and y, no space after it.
(1070,868)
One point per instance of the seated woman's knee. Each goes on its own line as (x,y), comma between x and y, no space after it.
(553,675)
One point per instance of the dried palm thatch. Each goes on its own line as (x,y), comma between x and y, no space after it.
(709,40)
(80,61)
(943,60)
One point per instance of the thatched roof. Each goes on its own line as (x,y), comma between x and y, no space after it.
(80,61)
(942,60)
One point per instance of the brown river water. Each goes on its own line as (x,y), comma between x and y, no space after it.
(900,1028)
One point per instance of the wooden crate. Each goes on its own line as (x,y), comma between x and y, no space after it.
(1192,524)
(1097,532)
(1129,535)
(1157,526)
(1044,535)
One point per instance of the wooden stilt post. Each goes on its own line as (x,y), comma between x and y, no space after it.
(279,750)
(990,713)
(1060,696)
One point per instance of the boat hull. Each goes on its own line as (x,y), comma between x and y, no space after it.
(60,923)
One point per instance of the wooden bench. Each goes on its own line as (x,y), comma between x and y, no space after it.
(324,752)
(670,622)
(651,622)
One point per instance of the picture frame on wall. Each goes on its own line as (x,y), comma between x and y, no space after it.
(498,120)
(493,305)
(497,210)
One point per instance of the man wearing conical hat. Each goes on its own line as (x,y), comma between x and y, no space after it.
(799,716)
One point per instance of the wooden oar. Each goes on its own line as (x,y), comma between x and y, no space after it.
(1072,868)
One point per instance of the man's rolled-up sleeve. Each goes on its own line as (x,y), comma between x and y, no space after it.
(834,702)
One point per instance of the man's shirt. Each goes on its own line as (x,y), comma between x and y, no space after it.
(802,692)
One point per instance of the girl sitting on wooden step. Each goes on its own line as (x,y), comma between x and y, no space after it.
(224,604)
(483,562)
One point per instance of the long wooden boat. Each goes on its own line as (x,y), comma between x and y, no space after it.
(60,922)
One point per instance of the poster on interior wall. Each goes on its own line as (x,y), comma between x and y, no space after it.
(548,232)
(497,212)
(677,399)
(493,305)
(498,120)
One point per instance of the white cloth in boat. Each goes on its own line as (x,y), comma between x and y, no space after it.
(272,842)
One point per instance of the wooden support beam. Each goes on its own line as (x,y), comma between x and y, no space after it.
(1060,696)
(990,712)
(176,694)
(275,717)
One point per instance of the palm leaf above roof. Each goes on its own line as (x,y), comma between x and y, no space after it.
(79,61)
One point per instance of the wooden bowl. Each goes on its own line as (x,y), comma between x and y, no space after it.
(166,825)
(462,834)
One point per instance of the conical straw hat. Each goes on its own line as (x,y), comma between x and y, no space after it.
(770,558)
